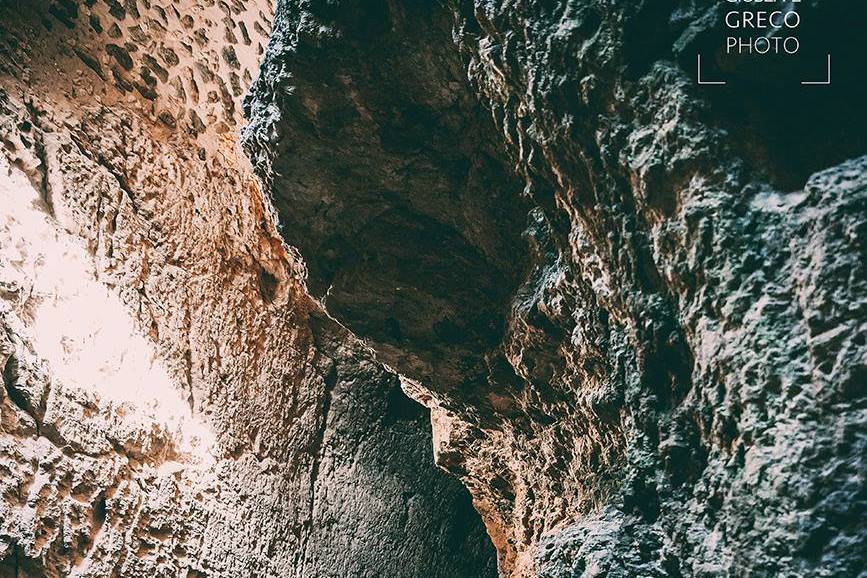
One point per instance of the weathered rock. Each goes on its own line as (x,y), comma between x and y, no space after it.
(123,116)
(636,307)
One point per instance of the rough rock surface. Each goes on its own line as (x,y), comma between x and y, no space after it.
(121,117)
(636,306)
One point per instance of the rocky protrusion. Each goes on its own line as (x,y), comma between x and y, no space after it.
(648,381)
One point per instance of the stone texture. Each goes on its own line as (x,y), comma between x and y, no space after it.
(635,306)
(123,116)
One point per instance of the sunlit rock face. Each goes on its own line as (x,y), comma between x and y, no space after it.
(174,403)
(635,307)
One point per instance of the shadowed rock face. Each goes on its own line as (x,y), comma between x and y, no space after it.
(634,305)
(411,220)
(118,123)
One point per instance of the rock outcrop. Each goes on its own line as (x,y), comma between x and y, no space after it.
(278,446)
(634,305)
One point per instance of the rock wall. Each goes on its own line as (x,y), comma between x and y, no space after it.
(634,305)
(278,447)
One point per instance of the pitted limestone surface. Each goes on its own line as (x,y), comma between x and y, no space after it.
(123,118)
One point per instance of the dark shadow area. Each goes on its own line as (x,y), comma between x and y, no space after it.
(783,126)
(391,179)
(381,503)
